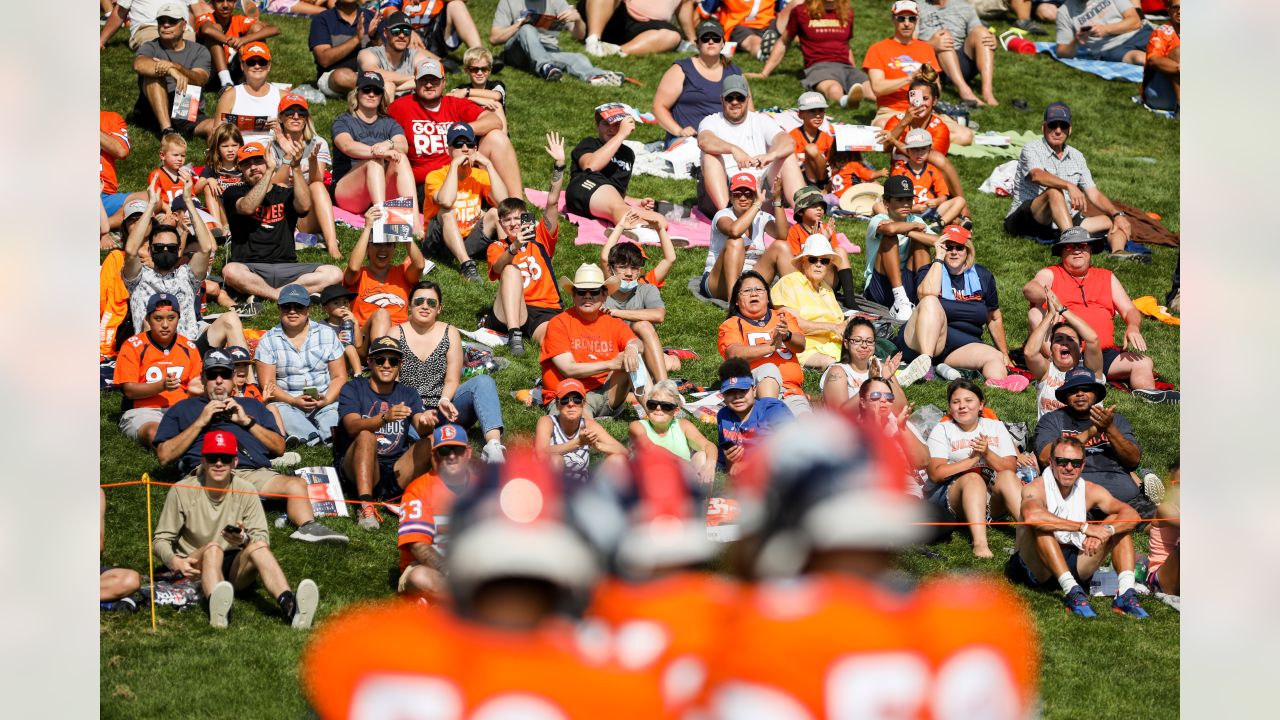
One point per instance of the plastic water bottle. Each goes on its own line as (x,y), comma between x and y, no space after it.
(347,332)
(1026,474)
(1140,569)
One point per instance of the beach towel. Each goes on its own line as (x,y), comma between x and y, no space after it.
(1016,141)
(1101,68)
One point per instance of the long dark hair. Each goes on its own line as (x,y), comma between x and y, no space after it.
(737,286)
(856,322)
(963,384)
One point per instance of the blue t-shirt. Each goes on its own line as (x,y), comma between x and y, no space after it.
(359,397)
(328,28)
(253,454)
(967,309)
(766,414)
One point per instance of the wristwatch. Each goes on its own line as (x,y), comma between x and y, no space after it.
(1062,310)
(251,423)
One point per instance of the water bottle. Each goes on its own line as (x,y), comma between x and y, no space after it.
(1140,569)
(1026,474)
(347,332)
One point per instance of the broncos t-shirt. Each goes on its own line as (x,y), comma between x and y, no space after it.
(266,235)
(373,294)
(359,397)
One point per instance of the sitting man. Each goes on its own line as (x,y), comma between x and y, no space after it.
(1053,187)
(301,368)
(395,60)
(336,37)
(185,425)
(1056,544)
(372,448)
(1110,30)
(1095,295)
(1112,451)
(141,17)
(585,343)
(154,370)
(454,203)
(898,245)
(635,27)
(1162,77)
(263,217)
(745,419)
(531,44)
(738,140)
(193,536)
(424,512)
(165,66)
(964,46)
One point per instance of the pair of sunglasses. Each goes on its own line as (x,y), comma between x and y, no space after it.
(391,360)
(1064,462)
(660,405)
(430,302)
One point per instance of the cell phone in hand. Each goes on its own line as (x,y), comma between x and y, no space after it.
(311,392)
(234,530)
(916,97)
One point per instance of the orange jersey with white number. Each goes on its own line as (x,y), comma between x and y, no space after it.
(738,330)
(534,265)
(837,647)
(425,502)
(373,294)
(929,183)
(113,125)
(142,361)
(167,185)
(1163,41)
(845,173)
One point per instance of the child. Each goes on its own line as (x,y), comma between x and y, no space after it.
(336,301)
(810,210)
(244,383)
(224,32)
(933,200)
(637,300)
(480,86)
(220,170)
(813,141)
(898,244)
(172,173)
(848,169)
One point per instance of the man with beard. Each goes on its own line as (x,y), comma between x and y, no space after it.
(427,502)
(154,370)
(737,140)
(258,439)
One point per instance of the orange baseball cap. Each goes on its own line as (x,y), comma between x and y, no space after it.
(255,49)
(250,150)
(570,385)
(289,100)
(957,234)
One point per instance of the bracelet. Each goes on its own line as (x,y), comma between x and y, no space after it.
(468,92)
(252,422)
(1063,310)
(558,168)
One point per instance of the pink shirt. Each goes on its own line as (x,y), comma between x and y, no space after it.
(646,10)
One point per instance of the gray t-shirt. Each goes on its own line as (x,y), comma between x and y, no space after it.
(380,130)
(1075,14)
(509,12)
(408,61)
(180,283)
(192,56)
(958,18)
(645,297)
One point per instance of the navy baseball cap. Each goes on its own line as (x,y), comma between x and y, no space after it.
(238,354)
(369,78)
(220,358)
(460,130)
(385,344)
(1057,112)
(898,186)
(294,293)
(161,298)
(448,434)
(737,382)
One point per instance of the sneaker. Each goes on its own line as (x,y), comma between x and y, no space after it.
(308,597)
(288,459)
(1031,26)
(967,223)
(608,79)
(516,343)
(469,272)
(1078,603)
(251,307)
(370,519)
(946,372)
(490,338)
(901,311)
(313,532)
(1127,256)
(914,371)
(599,48)
(1127,604)
(686,47)
(1012,383)
(1152,487)
(1159,397)
(767,40)
(494,453)
(550,72)
(220,603)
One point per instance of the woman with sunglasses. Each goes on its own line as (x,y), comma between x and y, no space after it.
(858,363)
(893,62)
(677,435)
(971,465)
(824,29)
(690,89)
(254,104)
(568,437)
(882,403)
(432,365)
(1058,344)
(369,151)
(600,172)
(295,127)
(767,338)
(807,297)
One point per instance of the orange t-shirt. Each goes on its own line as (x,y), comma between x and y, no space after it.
(373,295)
(824,142)
(1090,299)
(474,191)
(938,129)
(1164,40)
(114,125)
(167,185)
(896,61)
(426,503)
(539,277)
(238,27)
(142,361)
(596,341)
(113,303)
(252,391)
(740,331)
(733,13)
(850,173)
(929,184)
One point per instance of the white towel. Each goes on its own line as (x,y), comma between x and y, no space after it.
(1069,508)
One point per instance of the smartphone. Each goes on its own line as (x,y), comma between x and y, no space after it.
(232,530)
(1086,29)
(916,97)
(311,392)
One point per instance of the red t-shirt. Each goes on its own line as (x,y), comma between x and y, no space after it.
(896,61)
(426,130)
(938,129)
(114,125)
(539,285)
(1089,298)
(822,39)
(596,341)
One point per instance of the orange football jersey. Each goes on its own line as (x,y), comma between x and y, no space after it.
(167,185)
(113,303)
(142,361)
(848,170)
(114,125)
(373,294)
(426,500)
(928,184)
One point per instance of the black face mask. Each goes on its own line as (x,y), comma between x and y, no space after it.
(164,260)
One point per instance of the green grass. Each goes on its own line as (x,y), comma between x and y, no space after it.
(1111,667)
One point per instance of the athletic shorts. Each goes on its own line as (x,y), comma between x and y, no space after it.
(577,196)
(432,34)
(1022,223)
(142,116)
(535,317)
(132,420)
(880,290)
(622,28)
(277,275)
(1137,42)
(112,202)
(1109,356)
(1018,573)
(843,73)
(742,32)
(385,488)
(938,496)
(956,339)
(968,67)
(433,245)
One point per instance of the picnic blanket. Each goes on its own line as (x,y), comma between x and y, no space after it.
(1016,141)
(1101,68)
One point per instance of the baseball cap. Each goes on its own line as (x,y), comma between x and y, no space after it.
(570,385)
(905,7)
(737,382)
(734,84)
(174,10)
(710,25)
(898,186)
(219,442)
(179,203)
(255,49)
(429,68)
(289,100)
(811,101)
(223,358)
(238,354)
(394,20)
(335,291)
(460,130)
(161,298)
(447,434)
(956,234)
(134,207)
(294,293)
(806,197)
(385,344)
(743,180)
(369,78)
(250,150)
(918,138)
(1057,112)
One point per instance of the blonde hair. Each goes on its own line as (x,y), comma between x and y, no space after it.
(172,140)
(477,53)
(353,100)
(665,387)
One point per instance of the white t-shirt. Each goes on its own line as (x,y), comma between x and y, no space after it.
(753,135)
(142,13)
(754,239)
(950,443)
(1047,390)
(873,244)
(265,106)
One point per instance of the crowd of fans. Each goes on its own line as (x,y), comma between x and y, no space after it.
(827,483)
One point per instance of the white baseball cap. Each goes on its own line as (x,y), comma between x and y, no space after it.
(908,7)
(918,138)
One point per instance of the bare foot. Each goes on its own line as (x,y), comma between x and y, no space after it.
(990,100)
(983,552)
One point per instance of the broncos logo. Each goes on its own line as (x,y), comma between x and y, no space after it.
(385,299)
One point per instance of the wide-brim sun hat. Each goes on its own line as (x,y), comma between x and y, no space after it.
(861,198)
(589,276)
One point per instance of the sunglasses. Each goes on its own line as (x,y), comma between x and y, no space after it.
(164,248)
(743,193)
(166,21)
(660,405)
(371,90)
(290,308)
(735,98)
(400,31)
(820,260)
(428,301)
(295,112)
(219,458)
(1058,125)
(384,359)
(570,399)
(449,451)
(462,143)
(1075,247)
(905,18)
(709,38)
(1073,462)
(215,373)
(877,395)
(256,62)
(954,247)
(479,68)
(597,292)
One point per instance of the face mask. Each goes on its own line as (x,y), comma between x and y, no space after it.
(164,260)
(628,285)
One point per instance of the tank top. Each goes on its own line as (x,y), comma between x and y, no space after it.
(851,376)
(577,463)
(265,106)
(1046,388)
(425,376)
(674,439)
(406,62)
(699,97)
(1090,298)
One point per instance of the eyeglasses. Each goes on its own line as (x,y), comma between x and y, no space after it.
(596,292)
(877,395)
(710,38)
(166,21)
(384,359)
(660,405)
(1073,462)
(164,248)
(462,143)
(905,18)
(820,260)
(1058,125)
(479,68)
(866,342)
(954,247)
(735,98)
(295,112)
(215,373)
(429,301)
(449,451)
(570,399)
(399,31)
(752,291)
(219,458)
(371,90)
(290,308)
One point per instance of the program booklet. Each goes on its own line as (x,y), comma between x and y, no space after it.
(397,224)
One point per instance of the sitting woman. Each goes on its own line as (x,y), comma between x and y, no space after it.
(295,126)
(737,239)
(255,102)
(880,404)
(369,151)
(690,89)
(805,295)
(957,301)
(568,437)
(824,29)
(1055,347)
(680,436)
(601,172)
(971,465)
(842,380)
(809,208)
(767,339)
(432,365)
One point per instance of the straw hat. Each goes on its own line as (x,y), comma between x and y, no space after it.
(861,198)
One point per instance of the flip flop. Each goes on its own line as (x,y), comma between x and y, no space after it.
(1020,105)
